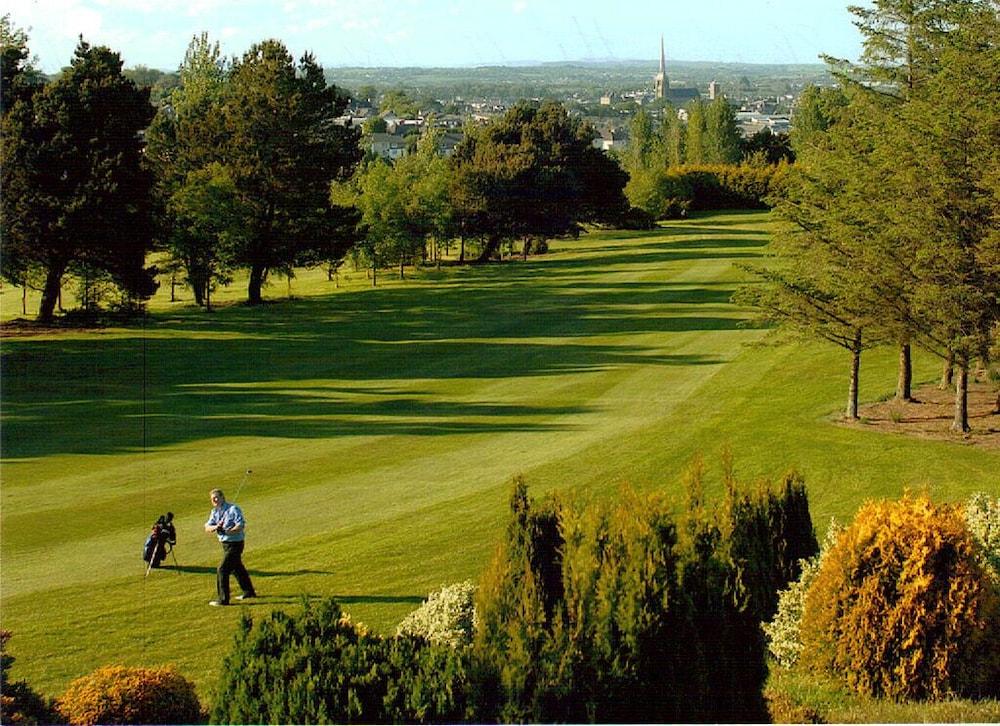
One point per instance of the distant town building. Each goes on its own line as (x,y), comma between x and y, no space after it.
(611,138)
(713,90)
(661,85)
(752,122)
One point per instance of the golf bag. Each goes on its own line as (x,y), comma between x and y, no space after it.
(162,538)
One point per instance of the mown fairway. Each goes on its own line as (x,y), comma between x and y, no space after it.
(383,426)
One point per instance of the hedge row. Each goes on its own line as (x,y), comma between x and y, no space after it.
(669,193)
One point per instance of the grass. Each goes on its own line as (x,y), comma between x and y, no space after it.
(383,426)
(805,697)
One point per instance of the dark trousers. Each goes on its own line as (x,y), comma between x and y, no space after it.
(232,564)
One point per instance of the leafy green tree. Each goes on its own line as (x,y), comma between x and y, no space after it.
(283,149)
(183,146)
(374,125)
(672,133)
(643,151)
(721,143)
(207,220)
(400,205)
(76,191)
(19,78)
(694,136)
(396,101)
(534,172)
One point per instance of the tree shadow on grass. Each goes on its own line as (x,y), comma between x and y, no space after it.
(299,598)
(313,368)
(204,570)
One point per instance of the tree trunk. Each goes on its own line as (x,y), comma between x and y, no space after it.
(492,245)
(374,268)
(461,250)
(948,372)
(852,397)
(208,298)
(961,422)
(257,273)
(51,292)
(402,262)
(526,249)
(904,380)
(24,299)
(198,287)
(173,287)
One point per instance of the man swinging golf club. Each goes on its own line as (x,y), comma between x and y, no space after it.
(227,523)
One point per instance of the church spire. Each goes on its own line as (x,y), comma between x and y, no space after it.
(661,86)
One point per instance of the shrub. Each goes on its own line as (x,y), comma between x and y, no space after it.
(901,606)
(19,703)
(769,533)
(318,667)
(783,632)
(982,513)
(120,695)
(616,614)
(448,616)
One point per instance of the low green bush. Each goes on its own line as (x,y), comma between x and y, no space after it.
(121,695)
(318,667)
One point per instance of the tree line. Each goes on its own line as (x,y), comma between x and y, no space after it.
(892,206)
(702,137)
(244,166)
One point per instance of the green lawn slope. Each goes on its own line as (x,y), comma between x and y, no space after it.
(383,425)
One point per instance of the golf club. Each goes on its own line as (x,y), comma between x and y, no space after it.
(240,489)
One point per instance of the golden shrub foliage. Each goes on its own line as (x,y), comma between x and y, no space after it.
(120,695)
(901,607)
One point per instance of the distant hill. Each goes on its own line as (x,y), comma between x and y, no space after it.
(585,78)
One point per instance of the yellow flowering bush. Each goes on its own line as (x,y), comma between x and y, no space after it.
(901,606)
(120,695)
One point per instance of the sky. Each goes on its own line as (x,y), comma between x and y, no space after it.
(155,33)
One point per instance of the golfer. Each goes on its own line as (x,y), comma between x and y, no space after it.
(226,521)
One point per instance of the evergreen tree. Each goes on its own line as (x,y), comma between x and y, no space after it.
(817,284)
(816,110)
(902,42)
(283,150)
(19,78)
(946,148)
(76,192)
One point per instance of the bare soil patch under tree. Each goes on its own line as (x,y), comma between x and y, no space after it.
(932,411)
